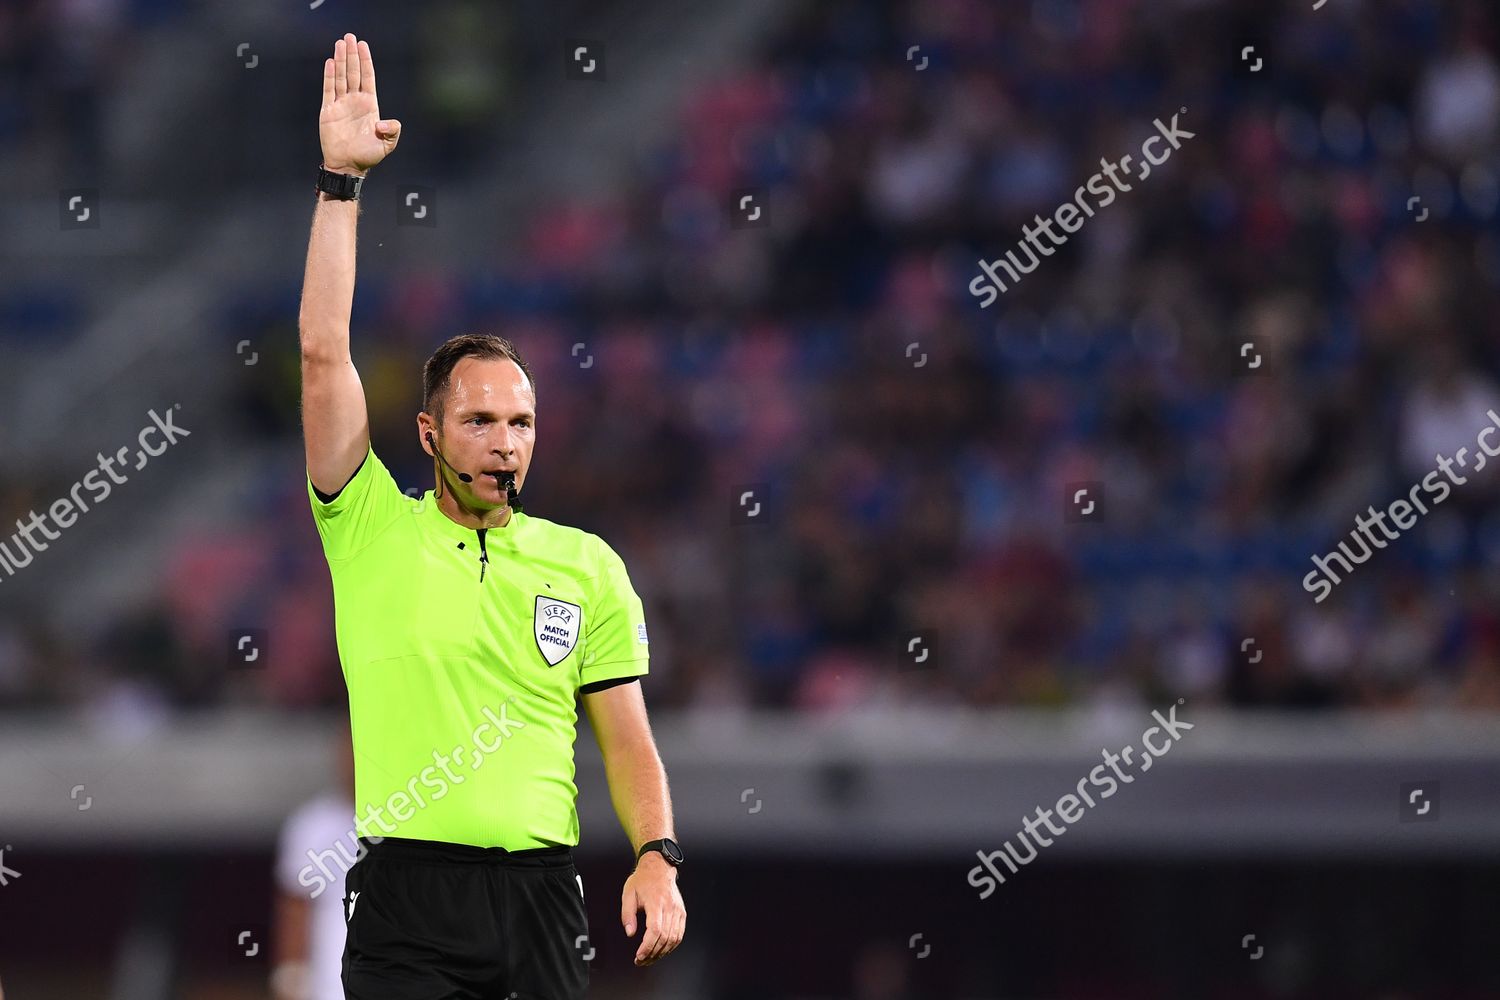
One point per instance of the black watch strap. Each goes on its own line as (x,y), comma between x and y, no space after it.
(668,848)
(345,187)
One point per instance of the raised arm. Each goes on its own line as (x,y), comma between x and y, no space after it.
(335,423)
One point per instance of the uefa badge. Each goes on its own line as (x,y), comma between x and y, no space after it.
(556,623)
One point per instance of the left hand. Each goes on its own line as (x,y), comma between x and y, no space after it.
(652,887)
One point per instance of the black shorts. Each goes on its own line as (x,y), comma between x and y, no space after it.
(436,921)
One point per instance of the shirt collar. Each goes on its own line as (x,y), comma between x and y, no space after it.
(440,522)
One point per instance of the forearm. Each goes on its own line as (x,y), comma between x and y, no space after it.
(328,282)
(290,947)
(289,936)
(638,789)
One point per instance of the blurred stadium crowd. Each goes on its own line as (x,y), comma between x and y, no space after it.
(918,454)
(56,59)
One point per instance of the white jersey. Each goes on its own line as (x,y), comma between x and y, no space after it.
(318,825)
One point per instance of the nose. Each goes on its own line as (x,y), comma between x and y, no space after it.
(505,447)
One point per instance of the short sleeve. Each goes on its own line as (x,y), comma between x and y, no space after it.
(367,505)
(615,640)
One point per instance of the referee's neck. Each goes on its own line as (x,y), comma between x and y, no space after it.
(456,512)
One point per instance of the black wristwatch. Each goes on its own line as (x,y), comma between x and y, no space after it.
(345,187)
(668,848)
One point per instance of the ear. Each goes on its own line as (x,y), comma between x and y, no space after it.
(425,434)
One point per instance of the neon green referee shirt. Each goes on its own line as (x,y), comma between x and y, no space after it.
(464,650)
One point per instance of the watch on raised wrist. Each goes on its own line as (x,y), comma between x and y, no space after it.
(345,187)
(666,846)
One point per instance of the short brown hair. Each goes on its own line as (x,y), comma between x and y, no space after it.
(438,371)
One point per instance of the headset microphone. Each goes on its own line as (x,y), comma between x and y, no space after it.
(462,476)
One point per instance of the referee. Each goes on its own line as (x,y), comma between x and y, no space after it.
(467,631)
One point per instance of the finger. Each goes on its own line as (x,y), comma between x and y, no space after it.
(340,80)
(327,82)
(366,69)
(670,938)
(629,904)
(674,937)
(668,934)
(658,936)
(351,62)
(647,951)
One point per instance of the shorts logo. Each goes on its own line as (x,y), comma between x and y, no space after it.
(556,623)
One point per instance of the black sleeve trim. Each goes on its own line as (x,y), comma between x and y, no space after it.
(331,497)
(601,685)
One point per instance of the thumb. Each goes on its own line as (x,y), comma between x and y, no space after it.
(629,904)
(390,128)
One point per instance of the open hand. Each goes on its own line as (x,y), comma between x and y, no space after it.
(350,128)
